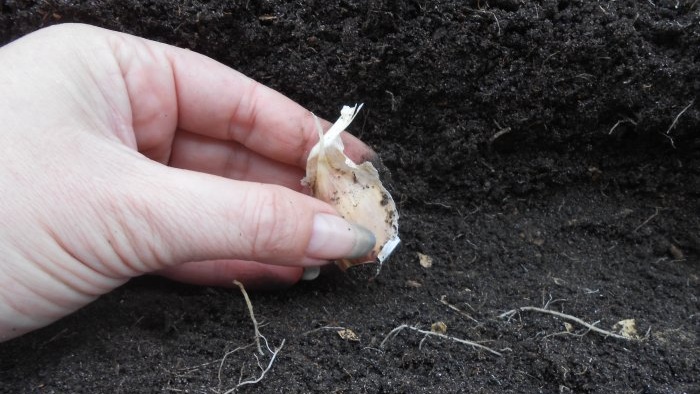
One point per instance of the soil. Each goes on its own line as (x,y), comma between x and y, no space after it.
(542,154)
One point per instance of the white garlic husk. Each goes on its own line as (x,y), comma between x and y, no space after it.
(355,190)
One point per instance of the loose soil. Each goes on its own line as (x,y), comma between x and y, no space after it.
(531,153)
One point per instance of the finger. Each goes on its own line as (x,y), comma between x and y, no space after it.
(222,273)
(171,216)
(211,99)
(232,160)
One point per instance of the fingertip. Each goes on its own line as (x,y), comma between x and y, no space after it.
(357,150)
(333,237)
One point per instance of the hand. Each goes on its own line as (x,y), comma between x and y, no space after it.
(121,156)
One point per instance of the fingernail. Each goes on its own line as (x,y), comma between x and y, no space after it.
(311,262)
(372,157)
(334,238)
(311,273)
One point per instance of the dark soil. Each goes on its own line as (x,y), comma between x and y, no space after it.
(531,157)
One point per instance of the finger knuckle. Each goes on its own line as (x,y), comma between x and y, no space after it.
(276,230)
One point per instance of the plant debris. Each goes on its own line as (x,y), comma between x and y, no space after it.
(348,335)
(439,327)
(425,260)
(627,328)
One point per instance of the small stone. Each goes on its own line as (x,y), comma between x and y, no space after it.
(676,252)
(414,284)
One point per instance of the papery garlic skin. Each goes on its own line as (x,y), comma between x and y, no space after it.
(354,190)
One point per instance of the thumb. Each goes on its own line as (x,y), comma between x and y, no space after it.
(193,216)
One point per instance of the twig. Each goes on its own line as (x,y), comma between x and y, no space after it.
(673,144)
(499,134)
(454,308)
(393,333)
(393,100)
(656,212)
(675,120)
(574,319)
(252,316)
(322,328)
(619,122)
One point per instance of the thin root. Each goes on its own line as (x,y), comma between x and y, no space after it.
(393,333)
(675,120)
(656,212)
(263,371)
(323,328)
(619,122)
(252,316)
(454,308)
(272,353)
(501,131)
(574,319)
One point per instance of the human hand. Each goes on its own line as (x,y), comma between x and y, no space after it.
(121,156)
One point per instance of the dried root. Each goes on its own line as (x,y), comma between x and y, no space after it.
(271,353)
(427,334)
(589,326)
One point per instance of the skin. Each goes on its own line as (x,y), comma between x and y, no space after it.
(121,156)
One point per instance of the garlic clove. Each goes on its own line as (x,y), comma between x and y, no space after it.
(355,190)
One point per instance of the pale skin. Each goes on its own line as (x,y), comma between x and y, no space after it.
(121,156)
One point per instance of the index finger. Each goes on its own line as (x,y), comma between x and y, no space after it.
(217,101)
